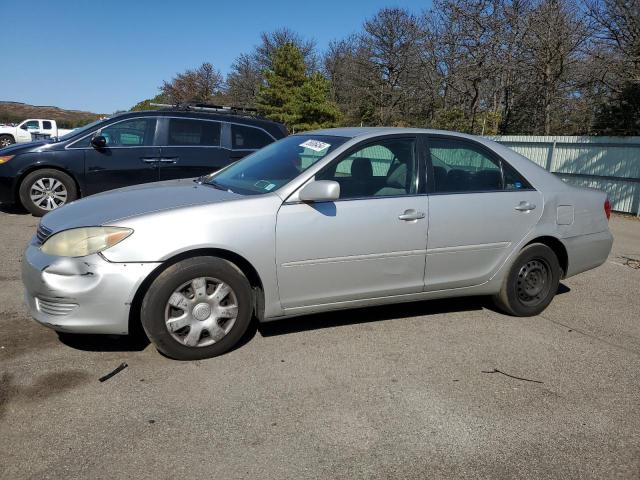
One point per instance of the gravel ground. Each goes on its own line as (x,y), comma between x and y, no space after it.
(392,392)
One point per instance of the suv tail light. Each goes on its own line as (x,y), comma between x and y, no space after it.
(607,208)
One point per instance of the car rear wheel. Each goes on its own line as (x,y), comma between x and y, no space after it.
(197,308)
(531,283)
(6,140)
(44,190)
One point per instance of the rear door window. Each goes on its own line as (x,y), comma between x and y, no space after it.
(193,133)
(248,138)
(46,125)
(461,166)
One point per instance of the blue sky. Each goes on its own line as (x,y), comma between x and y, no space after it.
(103,56)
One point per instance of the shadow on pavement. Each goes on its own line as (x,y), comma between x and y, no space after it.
(12,209)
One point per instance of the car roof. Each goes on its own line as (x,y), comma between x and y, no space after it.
(356,132)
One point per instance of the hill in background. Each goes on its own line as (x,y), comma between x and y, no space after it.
(16,112)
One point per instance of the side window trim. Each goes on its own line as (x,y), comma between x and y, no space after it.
(419,157)
(488,152)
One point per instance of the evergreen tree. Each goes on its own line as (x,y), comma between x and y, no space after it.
(313,106)
(290,96)
(276,98)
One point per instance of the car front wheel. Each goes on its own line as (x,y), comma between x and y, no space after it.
(44,190)
(531,283)
(6,140)
(197,308)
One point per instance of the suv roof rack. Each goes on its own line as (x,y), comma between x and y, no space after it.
(204,107)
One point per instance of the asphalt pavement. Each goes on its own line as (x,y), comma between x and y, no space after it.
(439,389)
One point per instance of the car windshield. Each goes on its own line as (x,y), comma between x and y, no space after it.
(80,130)
(275,165)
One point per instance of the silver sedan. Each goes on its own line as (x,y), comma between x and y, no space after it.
(319,221)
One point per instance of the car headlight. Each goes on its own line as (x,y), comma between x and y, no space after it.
(80,242)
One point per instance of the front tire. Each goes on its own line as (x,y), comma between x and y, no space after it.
(197,308)
(531,283)
(6,140)
(47,189)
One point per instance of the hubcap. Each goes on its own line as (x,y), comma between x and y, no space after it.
(534,282)
(201,312)
(48,193)
(5,142)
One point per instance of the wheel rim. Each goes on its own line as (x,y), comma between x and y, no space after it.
(201,312)
(5,142)
(534,282)
(48,193)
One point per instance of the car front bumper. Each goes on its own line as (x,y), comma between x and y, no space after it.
(81,295)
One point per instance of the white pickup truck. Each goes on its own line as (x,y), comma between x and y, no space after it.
(28,130)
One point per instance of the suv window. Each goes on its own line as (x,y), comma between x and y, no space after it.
(384,168)
(248,138)
(46,125)
(130,133)
(189,132)
(460,166)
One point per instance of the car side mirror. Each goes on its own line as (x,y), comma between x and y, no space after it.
(320,191)
(99,141)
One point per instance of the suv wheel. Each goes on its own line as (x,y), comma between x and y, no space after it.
(44,190)
(198,308)
(531,283)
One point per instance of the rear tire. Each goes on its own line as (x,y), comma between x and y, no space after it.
(531,283)
(6,140)
(45,190)
(188,311)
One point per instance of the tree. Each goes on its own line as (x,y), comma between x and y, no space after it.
(276,98)
(312,104)
(146,104)
(202,85)
(243,82)
(290,96)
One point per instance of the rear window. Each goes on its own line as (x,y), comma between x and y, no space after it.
(248,138)
(186,132)
(46,125)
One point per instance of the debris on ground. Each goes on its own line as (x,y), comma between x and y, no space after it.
(495,370)
(115,371)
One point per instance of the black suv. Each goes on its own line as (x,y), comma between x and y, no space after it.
(127,149)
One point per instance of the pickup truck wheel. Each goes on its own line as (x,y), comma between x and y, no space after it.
(197,308)
(531,283)
(6,140)
(47,189)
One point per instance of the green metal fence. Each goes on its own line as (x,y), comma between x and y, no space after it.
(611,164)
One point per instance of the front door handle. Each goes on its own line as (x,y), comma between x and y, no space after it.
(150,159)
(169,159)
(525,206)
(411,214)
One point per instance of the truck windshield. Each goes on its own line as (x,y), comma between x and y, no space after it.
(80,130)
(275,165)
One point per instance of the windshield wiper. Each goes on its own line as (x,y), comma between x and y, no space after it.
(218,186)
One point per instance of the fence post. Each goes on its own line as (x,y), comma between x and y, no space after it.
(551,156)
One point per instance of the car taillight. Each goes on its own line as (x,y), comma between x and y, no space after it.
(607,208)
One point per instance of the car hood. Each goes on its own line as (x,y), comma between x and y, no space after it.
(18,148)
(109,207)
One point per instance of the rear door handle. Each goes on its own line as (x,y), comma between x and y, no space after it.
(525,206)
(411,214)
(169,159)
(150,159)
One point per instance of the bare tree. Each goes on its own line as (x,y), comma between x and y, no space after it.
(202,85)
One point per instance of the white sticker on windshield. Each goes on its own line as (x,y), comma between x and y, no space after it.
(315,145)
(270,186)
